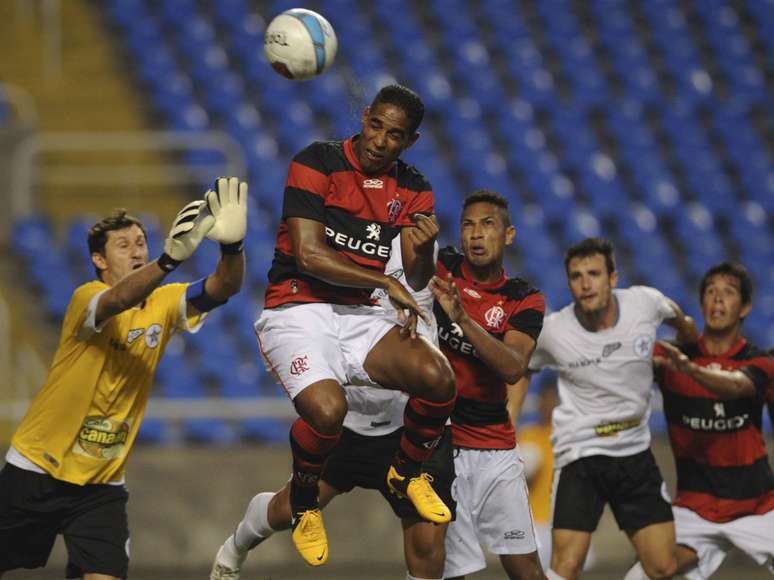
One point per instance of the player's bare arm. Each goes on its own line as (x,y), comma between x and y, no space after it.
(188,230)
(315,257)
(508,357)
(417,243)
(517,393)
(684,325)
(728,384)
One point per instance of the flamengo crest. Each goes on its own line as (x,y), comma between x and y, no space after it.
(494,316)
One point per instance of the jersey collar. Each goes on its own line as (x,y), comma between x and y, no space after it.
(352,158)
(730,353)
(468,275)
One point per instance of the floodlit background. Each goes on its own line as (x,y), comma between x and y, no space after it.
(646,121)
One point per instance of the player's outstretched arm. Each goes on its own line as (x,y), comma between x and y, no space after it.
(188,230)
(685,325)
(417,245)
(733,384)
(508,357)
(227,204)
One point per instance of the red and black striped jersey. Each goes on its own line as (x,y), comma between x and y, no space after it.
(480,419)
(722,467)
(362,213)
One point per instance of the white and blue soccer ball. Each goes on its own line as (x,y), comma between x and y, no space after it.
(300,44)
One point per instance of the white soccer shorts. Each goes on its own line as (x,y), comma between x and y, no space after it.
(492,510)
(305,343)
(754,535)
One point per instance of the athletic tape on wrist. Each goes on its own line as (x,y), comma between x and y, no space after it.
(196,294)
(167,263)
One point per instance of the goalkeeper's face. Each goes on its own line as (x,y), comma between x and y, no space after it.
(125,250)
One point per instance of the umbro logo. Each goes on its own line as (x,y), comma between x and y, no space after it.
(373,184)
(134,334)
(471,292)
(514,535)
(610,349)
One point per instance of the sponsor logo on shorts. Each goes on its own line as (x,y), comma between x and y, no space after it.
(514,535)
(102,438)
(613,429)
(432,444)
(299,365)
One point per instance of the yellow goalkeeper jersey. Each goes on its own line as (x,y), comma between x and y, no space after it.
(81,425)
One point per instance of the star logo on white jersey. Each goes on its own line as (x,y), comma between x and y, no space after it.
(134,334)
(494,316)
(373,184)
(374,232)
(643,345)
(720,410)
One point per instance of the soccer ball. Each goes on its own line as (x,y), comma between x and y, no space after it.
(300,44)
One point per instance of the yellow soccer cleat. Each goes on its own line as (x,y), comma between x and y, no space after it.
(309,537)
(419,491)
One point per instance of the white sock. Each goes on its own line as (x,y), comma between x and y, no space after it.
(254,527)
(410,577)
(551,575)
(636,573)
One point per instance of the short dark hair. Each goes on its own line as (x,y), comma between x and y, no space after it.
(729,269)
(488,196)
(590,247)
(404,98)
(118,220)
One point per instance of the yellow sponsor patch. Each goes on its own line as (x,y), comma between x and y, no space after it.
(611,429)
(102,438)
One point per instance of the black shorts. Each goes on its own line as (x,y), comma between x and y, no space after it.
(632,485)
(34,508)
(363,461)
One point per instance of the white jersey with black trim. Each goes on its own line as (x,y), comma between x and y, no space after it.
(605,377)
(374,411)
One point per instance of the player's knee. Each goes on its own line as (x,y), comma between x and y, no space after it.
(328,415)
(428,553)
(438,380)
(660,569)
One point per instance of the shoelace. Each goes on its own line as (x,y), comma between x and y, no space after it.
(306,523)
(425,479)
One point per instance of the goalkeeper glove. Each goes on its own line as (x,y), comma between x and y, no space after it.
(188,230)
(228,205)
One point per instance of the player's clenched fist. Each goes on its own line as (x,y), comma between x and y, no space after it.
(227,203)
(424,232)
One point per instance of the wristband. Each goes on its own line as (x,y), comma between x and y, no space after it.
(167,263)
(232,249)
(197,296)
